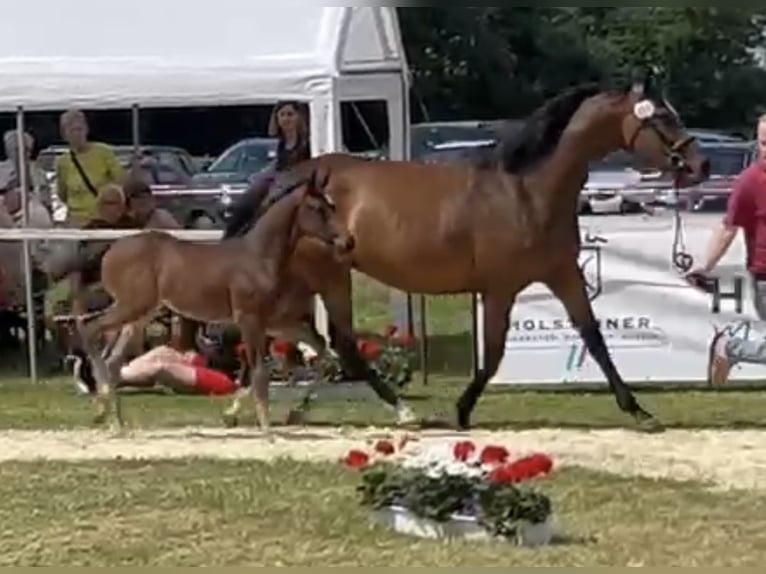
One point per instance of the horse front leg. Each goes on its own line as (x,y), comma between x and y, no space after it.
(254,340)
(337,299)
(116,317)
(568,284)
(497,318)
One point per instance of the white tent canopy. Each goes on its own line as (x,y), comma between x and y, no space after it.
(95,55)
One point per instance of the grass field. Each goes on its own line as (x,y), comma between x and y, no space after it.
(54,405)
(194,512)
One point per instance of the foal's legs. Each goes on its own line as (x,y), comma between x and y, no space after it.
(497,310)
(254,338)
(117,316)
(568,284)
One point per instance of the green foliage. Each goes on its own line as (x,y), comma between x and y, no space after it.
(503,62)
(500,508)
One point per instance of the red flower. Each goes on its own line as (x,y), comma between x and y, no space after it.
(494,455)
(385,448)
(369,350)
(522,469)
(463,450)
(356,460)
(280,348)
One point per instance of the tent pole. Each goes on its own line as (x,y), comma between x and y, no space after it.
(21,168)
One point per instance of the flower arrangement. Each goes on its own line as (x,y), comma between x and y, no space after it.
(459,480)
(390,355)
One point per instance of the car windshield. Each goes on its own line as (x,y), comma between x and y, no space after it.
(249,158)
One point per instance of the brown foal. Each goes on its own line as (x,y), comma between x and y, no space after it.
(235,281)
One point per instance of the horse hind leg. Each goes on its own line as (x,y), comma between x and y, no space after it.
(497,311)
(568,284)
(254,338)
(337,299)
(117,316)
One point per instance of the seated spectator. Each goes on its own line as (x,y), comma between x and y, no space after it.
(37,182)
(143,209)
(86,169)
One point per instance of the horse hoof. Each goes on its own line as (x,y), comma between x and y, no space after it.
(296,417)
(230,421)
(648,424)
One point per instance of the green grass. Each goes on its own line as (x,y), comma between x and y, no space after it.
(194,513)
(54,405)
(449,323)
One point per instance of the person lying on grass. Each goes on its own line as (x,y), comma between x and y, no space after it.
(210,370)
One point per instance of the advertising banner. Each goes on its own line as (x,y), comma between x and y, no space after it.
(658,327)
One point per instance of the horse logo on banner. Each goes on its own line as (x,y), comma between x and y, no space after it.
(590,264)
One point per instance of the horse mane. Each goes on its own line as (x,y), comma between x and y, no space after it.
(248,209)
(519,149)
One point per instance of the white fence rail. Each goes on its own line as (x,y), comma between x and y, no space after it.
(64,234)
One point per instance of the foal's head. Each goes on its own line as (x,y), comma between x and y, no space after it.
(652,129)
(315,217)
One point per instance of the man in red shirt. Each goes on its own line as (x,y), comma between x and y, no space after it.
(747,211)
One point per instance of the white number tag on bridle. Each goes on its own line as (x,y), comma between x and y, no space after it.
(644,110)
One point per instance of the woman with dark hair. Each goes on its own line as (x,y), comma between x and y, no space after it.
(289,125)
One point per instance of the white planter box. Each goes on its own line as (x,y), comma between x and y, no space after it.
(403,521)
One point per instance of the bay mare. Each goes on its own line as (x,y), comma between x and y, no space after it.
(490,229)
(237,280)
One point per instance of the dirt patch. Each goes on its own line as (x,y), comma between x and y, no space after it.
(725,459)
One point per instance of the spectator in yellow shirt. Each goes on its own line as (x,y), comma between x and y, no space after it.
(87,168)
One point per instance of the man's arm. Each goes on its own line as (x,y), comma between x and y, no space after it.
(739,213)
(719,244)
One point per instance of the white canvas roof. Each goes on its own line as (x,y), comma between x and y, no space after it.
(95,54)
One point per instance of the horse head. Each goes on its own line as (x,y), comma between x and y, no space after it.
(316,215)
(652,129)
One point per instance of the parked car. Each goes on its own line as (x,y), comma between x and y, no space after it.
(174,165)
(714,136)
(239,163)
(727,160)
(162,166)
(619,184)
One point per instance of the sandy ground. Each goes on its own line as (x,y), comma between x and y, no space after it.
(724,459)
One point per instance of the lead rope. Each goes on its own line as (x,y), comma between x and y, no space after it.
(681,259)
